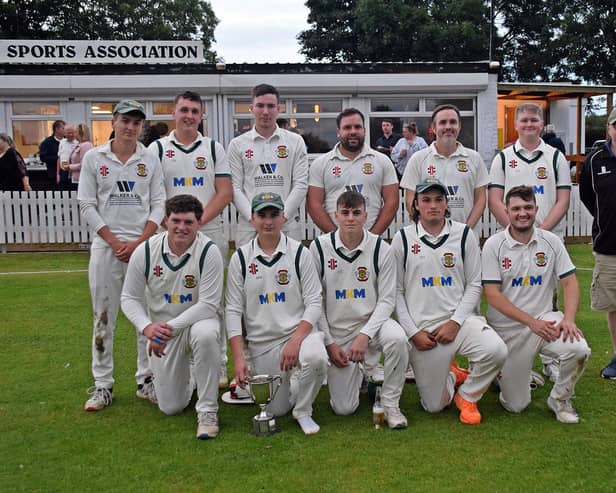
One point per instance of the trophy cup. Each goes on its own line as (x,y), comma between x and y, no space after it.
(263,389)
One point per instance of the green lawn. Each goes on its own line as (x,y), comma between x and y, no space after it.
(48,443)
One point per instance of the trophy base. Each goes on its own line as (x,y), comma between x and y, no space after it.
(263,426)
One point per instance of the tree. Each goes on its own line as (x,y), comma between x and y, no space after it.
(110,19)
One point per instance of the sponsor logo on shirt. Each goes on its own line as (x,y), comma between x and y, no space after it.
(436,282)
(541,173)
(169,153)
(125,186)
(253,269)
(190,281)
(526,281)
(354,188)
(350,294)
(448,260)
(188,181)
(104,170)
(336,170)
(268,168)
(506,263)
(415,248)
(513,164)
(269,298)
(538,189)
(462,166)
(282,152)
(158,271)
(124,195)
(200,163)
(249,153)
(282,277)
(431,170)
(541,259)
(367,169)
(176,299)
(362,274)
(332,263)
(268,177)
(142,170)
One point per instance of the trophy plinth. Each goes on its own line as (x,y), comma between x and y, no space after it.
(263,389)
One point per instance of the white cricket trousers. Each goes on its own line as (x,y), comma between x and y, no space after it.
(199,343)
(300,386)
(106,276)
(523,344)
(486,353)
(344,383)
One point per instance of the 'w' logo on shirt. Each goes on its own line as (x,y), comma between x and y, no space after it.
(332,263)
(253,269)
(158,271)
(452,190)
(354,188)
(268,168)
(126,186)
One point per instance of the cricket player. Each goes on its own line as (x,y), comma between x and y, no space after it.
(268,159)
(519,264)
(439,286)
(459,168)
(358,274)
(172,290)
(195,164)
(273,285)
(121,196)
(353,165)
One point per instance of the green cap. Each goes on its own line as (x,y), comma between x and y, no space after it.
(267,199)
(129,106)
(612,118)
(430,183)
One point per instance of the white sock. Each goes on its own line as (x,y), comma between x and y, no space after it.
(308,426)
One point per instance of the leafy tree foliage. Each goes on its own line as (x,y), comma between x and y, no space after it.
(109,19)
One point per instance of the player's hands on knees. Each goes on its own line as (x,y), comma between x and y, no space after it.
(447,332)
(357,351)
(569,330)
(423,341)
(158,333)
(546,329)
(337,356)
(290,355)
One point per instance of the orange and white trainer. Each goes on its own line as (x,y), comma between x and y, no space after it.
(469,414)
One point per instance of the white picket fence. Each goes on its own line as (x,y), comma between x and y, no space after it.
(53,218)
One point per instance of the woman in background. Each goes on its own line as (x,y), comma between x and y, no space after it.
(13,174)
(74,164)
(408,145)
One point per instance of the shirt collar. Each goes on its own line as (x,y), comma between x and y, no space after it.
(178,143)
(366,151)
(280,248)
(166,250)
(257,136)
(422,233)
(340,246)
(512,242)
(460,150)
(518,147)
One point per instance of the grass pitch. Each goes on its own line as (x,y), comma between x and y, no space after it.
(48,443)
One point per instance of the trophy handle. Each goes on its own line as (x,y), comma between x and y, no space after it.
(275,378)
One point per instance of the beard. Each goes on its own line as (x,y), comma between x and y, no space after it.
(352,147)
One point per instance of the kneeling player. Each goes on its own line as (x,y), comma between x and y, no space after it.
(273,285)
(519,264)
(172,290)
(439,286)
(358,276)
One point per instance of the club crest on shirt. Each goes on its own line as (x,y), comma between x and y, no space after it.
(282,152)
(541,173)
(200,163)
(506,263)
(253,269)
(336,170)
(415,248)
(462,166)
(541,259)
(449,260)
(104,170)
(142,170)
(513,164)
(169,153)
(158,271)
(362,274)
(189,281)
(367,169)
(249,153)
(332,263)
(282,277)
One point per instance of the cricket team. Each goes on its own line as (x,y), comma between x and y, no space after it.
(331,312)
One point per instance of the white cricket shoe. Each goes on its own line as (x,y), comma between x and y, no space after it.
(207,425)
(394,418)
(563,410)
(99,399)
(146,391)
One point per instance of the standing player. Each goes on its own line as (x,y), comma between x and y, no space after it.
(519,264)
(121,196)
(439,286)
(273,286)
(268,159)
(531,162)
(460,169)
(352,165)
(598,193)
(358,274)
(195,164)
(174,305)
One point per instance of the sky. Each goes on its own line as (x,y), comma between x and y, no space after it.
(259,30)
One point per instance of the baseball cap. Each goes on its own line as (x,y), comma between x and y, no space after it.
(129,106)
(429,183)
(612,118)
(267,199)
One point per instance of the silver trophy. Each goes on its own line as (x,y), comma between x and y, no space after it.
(263,389)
